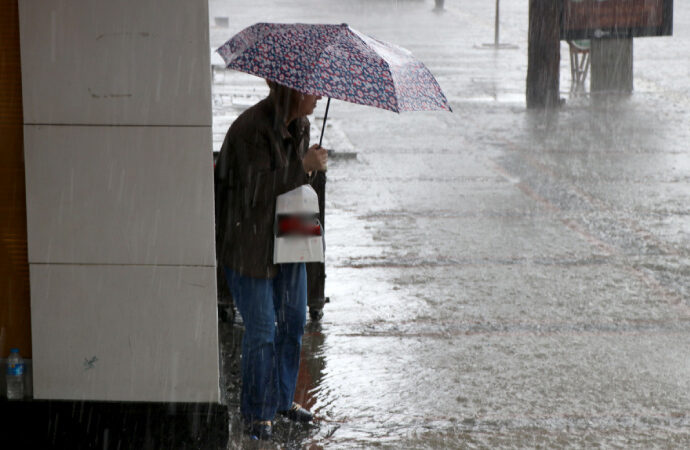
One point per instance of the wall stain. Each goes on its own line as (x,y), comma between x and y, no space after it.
(140,34)
(90,363)
(94,95)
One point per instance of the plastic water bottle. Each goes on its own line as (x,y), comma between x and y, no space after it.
(15,375)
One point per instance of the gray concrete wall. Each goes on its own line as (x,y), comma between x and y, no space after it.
(117,115)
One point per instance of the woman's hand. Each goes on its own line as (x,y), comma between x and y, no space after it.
(316,158)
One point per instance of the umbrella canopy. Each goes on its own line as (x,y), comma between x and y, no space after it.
(335,61)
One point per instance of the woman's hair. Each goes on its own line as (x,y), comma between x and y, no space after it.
(287,99)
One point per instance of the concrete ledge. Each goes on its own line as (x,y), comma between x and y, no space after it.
(69,424)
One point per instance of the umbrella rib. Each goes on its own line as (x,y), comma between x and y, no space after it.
(395,88)
(388,67)
(354,33)
(312,70)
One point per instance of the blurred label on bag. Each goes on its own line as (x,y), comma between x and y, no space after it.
(298,232)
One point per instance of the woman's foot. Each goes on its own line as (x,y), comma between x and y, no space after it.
(297,413)
(262,430)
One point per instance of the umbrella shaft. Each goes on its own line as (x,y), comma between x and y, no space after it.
(325,117)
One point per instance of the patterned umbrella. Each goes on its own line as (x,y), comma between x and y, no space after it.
(335,61)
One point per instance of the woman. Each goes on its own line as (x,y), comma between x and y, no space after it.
(266,153)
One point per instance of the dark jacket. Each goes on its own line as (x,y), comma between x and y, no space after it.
(260,159)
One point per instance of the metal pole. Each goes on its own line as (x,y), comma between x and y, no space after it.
(496,26)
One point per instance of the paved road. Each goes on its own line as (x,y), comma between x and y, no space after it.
(497,277)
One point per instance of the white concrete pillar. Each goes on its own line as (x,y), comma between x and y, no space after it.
(117,110)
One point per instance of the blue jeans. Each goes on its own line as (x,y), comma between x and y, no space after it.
(274,314)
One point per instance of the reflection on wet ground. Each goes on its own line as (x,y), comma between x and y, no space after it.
(287,434)
(498,277)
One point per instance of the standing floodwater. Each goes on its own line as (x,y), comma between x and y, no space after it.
(498,277)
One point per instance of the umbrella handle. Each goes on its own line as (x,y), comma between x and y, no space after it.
(325,117)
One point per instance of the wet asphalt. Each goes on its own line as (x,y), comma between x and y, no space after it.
(498,277)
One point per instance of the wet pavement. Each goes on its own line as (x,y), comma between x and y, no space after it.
(498,277)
